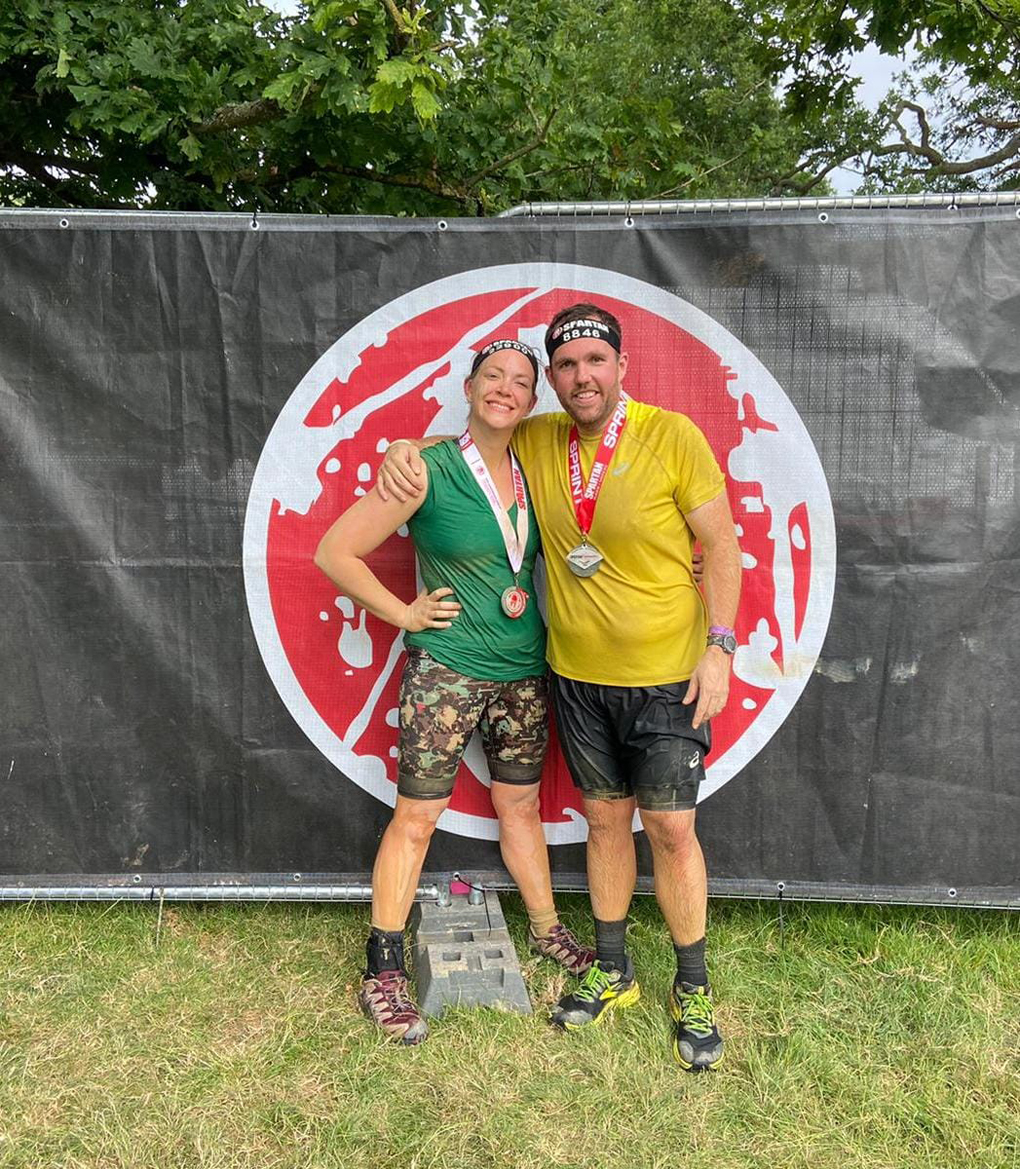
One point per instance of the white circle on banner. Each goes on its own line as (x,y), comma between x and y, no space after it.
(405,362)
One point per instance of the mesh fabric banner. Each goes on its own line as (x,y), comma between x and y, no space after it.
(188,402)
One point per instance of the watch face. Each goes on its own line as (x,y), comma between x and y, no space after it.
(725,641)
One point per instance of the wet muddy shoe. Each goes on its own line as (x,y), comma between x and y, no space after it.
(601,992)
(386,1000)
(697,1044)
(563,948)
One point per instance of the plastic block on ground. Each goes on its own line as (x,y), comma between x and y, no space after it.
(463,957)
(459,921)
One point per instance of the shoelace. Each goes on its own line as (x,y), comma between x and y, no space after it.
(696,1013)
(559,935)
(595,982)
(395,990)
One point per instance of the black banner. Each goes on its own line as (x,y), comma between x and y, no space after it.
(186,402)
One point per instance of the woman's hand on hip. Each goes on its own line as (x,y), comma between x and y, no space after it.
(430,611)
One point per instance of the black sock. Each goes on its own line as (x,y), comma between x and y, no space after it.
(690,963)
(384,950)
(610,943)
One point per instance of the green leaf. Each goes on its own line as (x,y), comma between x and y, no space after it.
(283,87)
(382,97)
(397,71)
(63,63)
(134,122)
(88,95)
(425,103)
(143,59)
(191,147)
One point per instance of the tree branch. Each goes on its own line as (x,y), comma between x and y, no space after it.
(931,159)
(28,161)
(35,168)
(807,163)
(925,147)
(395,15)
(1005,170)
(704,174)
(939,163)
(431,186)
(995,123)
(238,116)
(540,135)
(787,183)
(1009,26)
(398,20)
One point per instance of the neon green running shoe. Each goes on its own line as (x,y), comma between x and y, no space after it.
(601,992)
(697,1044)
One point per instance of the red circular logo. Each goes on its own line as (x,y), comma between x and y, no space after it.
(399,373)
(514,602)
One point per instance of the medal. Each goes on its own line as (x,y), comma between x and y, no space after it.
(585,559)
(513,600)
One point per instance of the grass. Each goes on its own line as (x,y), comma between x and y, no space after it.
(869,1037)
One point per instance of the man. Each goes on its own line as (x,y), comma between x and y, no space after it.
(622,490)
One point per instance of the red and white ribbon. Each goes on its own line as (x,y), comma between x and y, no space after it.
(515,541)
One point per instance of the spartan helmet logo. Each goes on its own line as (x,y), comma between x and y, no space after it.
(399,373)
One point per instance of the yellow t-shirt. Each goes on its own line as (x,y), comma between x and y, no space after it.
(640,620)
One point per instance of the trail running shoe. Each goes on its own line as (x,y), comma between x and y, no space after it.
(386,999)
(697,1044)
(601,991)
(562,947)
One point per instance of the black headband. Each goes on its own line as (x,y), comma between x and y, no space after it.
(496,346)
(581,327)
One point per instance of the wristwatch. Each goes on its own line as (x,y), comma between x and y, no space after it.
(725,639)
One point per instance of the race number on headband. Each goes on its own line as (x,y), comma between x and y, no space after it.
(585,327)
(496,346)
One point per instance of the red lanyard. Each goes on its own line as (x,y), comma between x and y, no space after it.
(585,495)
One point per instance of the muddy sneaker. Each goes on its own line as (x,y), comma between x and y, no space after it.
(601,992)
(697,1045)
(386,1000)
(562,947)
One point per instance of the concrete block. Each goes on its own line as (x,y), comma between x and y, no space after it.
(459,921)
(463,957)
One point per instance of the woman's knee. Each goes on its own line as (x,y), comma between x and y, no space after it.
(516,804)
(415,820)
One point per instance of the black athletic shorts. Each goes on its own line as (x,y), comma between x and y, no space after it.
(623,741)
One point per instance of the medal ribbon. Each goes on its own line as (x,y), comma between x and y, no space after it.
(514,541)
(585,495)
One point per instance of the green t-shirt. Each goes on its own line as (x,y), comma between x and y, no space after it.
(460,546)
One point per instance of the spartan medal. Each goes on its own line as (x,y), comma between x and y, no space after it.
(584,560)
(514,601)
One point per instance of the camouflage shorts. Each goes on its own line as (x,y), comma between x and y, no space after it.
(439,711)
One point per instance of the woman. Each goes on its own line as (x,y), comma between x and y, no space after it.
(476,658)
